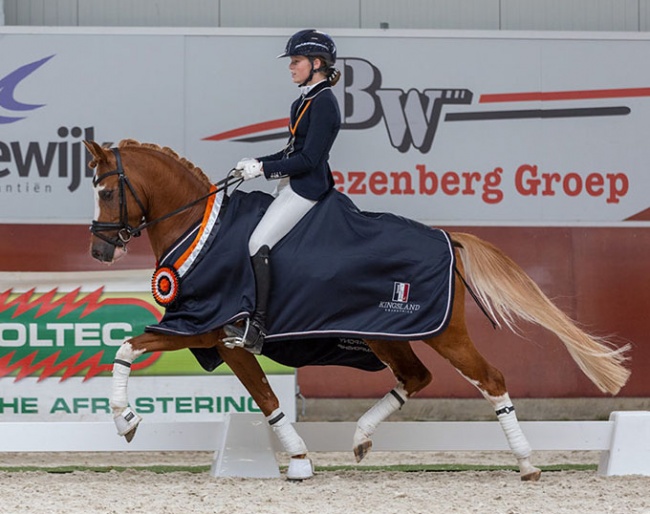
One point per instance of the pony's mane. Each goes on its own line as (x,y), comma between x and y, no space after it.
(189,166)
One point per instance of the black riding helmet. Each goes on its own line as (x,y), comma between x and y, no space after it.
(312,44)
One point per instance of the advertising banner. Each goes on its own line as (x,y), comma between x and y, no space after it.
(447,128)
(57,347)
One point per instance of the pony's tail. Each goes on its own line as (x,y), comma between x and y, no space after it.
(508,293)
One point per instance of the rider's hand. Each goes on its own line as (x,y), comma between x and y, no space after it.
(244,160)
(250,168)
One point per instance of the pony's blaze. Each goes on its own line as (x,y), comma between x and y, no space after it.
(102,250)
(97,189)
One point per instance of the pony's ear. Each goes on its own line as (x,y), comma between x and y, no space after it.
(97,152)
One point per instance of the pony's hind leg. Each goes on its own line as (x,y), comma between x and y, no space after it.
(456,346)
(412,376)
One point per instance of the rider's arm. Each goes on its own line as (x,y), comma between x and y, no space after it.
(324,124)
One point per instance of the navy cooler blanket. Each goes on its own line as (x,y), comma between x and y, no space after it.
(352,273)
(340,273)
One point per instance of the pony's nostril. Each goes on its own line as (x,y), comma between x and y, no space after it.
(102,254)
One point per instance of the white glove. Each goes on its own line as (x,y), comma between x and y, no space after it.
(250,168)
(240,164)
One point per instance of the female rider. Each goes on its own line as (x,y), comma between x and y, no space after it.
(301,167)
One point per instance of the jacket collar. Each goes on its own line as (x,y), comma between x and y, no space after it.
(315,89)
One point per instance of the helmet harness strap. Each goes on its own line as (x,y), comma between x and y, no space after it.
(323,68)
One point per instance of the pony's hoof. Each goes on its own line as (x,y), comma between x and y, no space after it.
(533,476)
(300,469)
(127,423)
(130,435)
(362,449)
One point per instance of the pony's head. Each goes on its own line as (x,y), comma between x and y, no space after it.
(119,210)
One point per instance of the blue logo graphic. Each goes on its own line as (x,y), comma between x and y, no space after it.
(8,85)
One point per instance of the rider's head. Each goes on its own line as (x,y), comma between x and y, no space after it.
(319,49)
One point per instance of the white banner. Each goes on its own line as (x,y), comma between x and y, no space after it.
(443,127)
(158,399)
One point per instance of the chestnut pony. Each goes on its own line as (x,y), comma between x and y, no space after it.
(143,186)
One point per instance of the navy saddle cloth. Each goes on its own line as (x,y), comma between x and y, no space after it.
(339,276)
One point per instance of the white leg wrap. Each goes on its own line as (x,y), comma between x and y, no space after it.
(510,425)
(369,422)
(121,371)
(516,439)
(291,441)
(119,398)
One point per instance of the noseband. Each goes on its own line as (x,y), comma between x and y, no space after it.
(124,231)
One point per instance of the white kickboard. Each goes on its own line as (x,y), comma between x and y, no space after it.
(629,449)
(246,448)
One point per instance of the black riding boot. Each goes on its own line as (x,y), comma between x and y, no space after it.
(254,331)
(262,271)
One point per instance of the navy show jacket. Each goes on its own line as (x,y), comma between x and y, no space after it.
(307,165)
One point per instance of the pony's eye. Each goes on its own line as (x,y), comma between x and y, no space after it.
(106,195)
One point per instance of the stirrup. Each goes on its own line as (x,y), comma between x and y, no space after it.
(251,337)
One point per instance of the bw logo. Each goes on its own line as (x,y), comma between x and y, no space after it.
(411,117)
(8,86)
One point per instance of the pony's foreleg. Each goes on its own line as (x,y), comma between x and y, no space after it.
(300,466)
(126,420)
(250,374)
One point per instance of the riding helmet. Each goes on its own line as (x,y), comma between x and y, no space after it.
(311,43)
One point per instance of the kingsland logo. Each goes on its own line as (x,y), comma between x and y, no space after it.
(412,117)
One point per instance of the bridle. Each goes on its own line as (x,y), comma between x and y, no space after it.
(124,231)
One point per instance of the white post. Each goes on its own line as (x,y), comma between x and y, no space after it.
(246,449)
(629,448)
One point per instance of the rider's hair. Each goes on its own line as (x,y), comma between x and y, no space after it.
(333,75)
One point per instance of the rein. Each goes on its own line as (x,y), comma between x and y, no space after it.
(124,230)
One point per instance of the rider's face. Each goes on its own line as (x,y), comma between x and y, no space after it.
(300,67)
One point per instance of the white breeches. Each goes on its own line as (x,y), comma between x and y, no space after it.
(283,214)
